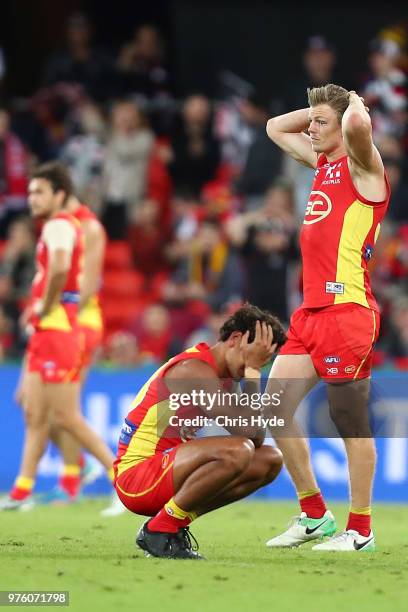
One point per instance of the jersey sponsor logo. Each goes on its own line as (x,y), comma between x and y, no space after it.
(332,371)
(332,359)
(332,174)
(127,432)
(317,208)
(350,369)
(333,287)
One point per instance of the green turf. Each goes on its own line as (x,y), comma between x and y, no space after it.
(73,548)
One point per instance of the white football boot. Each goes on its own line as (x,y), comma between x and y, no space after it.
(23,505)
(348,541)
(304,529)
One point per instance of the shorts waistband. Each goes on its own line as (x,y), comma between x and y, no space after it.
(337,308)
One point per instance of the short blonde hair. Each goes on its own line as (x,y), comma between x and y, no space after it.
(333,95)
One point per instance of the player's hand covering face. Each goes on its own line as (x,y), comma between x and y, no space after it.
(257,353)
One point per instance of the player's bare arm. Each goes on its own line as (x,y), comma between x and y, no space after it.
(93,260)
(288,132)
(366,166)
(189,374)
(60,238)
(199,376)
(56,280)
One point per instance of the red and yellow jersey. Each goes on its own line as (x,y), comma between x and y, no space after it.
(337,240)
(62,316)
(146,428)
(91,314)
(84,213)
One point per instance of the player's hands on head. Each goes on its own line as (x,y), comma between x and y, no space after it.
(354,97)
(258,353)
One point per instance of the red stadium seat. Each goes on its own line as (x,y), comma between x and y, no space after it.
(119,314)
(122,282)
(118,255)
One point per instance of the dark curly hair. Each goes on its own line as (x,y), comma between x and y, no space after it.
(57,175)
(245,318)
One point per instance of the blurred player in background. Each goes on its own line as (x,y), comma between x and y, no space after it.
(76,470)
(159,476)
(53,357)
(332,334)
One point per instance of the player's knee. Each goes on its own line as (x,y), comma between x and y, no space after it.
(237,454)
(273,463)
(351,422)
(32,416)
(62,420)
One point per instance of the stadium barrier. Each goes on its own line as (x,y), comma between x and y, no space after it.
(109,392)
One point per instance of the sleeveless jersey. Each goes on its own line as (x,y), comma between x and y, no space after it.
(62,316)
(91,313)
(337,239)
(144,431)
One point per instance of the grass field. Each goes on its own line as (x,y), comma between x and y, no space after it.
(73,548)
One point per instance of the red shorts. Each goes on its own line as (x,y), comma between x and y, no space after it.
(146,487)
(55,355)
(91,339)
(338,338)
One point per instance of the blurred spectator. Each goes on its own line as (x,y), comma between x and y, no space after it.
(233,132)
(194,155)
(13,174)
(214,267)
(186,309)
(267,240)
(143,72)
(396,341)
(148,235)
(84,154)
(217,202)
(80,62)
(35,134)
(44,124)
(153,332)
(122,350)
(264,159)
(17,262)
(141,63)
(184,210)
(399,189)
(6,335)
(396,167)
(127,155)
(208,266)
(17,270)
(319,62)
(385,91)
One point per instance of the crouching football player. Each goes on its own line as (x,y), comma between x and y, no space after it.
(158,475)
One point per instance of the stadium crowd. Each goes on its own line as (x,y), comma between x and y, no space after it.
(201,210)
